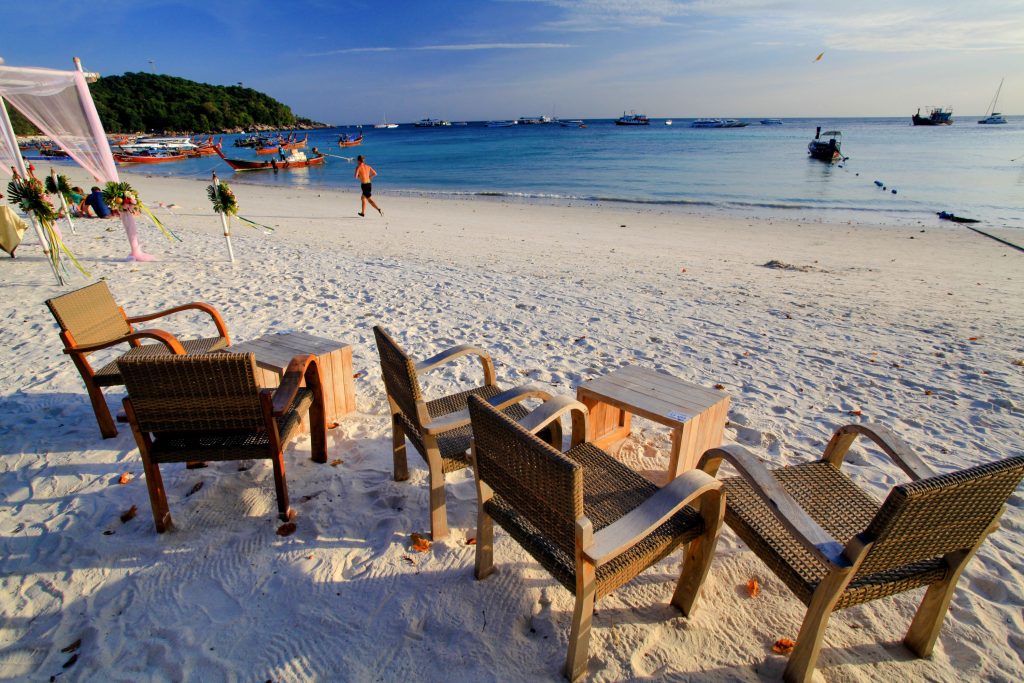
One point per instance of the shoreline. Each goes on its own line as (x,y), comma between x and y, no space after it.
(916,330)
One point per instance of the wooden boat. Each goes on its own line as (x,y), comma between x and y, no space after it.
(298,160)
(346,141)
(936,117)
(153,157)
(282,143)
(826,151)
(296,144)
(632,119)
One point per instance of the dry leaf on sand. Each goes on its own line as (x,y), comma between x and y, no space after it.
(125,478)
(286,529)
(470,541)
(719,386)
(333,425)
(194,489)
(753,588)
(336,462)
(420,544)
(73,646)
(129,514)
(783,646)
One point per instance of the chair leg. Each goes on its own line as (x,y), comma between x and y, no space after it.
(108,428)
(318,430)
(484,544)
(804,657)
(924,629)
(398,449)
(583,614)
(284,512)
(438,509)
(699,553)
(157,495)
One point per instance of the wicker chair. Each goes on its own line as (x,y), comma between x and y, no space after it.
(91,320)
(585,517)
(439,429)
(835,547)
(209,407)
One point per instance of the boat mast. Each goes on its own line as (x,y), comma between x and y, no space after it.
(995,100)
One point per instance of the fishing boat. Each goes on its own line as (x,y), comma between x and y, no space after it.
(937,116)
(632,119)
(826,151)
(349,141)
(572,123)
(296,160)
(502,124)
(152,156)
(432,123)
(706,123)
(991,115)
(296,144)
(771,122)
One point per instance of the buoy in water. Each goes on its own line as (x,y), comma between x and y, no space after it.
(894,190)
(879,183)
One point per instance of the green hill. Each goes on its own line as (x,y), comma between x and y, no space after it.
(138,102)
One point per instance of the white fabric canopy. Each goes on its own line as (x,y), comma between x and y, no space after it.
(60,105)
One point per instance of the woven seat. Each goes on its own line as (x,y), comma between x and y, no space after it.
(835,547)
(592,522)
(209,407)
(439,429)
(90,320)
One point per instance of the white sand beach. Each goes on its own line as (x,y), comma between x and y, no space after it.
(914,327)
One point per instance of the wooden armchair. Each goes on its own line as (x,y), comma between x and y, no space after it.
(835,547)
(209,407)
(585,517)
(439,429)
(91,320)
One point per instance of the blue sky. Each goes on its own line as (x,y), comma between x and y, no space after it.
(355,61)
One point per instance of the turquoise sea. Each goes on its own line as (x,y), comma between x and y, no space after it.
(966,168)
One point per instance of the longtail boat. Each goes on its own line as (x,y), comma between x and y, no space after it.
(268,150)
(345,141)
(299,160)
(148,158)
(299,144)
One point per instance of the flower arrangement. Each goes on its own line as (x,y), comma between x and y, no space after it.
(225,202)
(121,196)
(223,199)
(29,195)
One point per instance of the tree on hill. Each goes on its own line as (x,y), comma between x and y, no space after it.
(154,102)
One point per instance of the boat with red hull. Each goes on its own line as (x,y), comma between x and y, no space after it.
(273,164)
(346,141)
(144,158)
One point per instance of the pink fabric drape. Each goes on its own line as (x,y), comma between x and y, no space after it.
(60,105)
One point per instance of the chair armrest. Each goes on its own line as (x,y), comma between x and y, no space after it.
(222,329)
(498,402)
(457,352)
(298,369)
(804,529)
(166,338)
(553,409)
(611,541)
(886,439)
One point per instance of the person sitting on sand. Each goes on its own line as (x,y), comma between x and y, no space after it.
(95,202)
(77,196)
(364,172)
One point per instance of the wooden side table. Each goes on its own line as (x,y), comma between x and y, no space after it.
(275,351)
(696,415)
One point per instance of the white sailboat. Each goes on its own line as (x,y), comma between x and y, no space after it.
(385,124)
(991,115)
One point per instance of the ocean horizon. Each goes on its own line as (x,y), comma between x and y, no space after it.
(893,172)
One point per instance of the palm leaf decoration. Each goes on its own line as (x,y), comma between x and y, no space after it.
(59,186)
(222,198)
(30,196)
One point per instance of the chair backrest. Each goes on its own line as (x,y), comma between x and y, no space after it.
(528,475)
(205,392)
(399,373)
(90,314)
(931,517)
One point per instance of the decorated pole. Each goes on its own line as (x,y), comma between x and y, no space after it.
(224,219)
(55,179)
(12,142)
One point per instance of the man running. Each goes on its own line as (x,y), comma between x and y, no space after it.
(364,172)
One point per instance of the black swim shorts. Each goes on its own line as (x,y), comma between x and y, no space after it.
(367,189)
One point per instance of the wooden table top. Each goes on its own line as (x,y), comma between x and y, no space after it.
(277,350)
(655,395)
